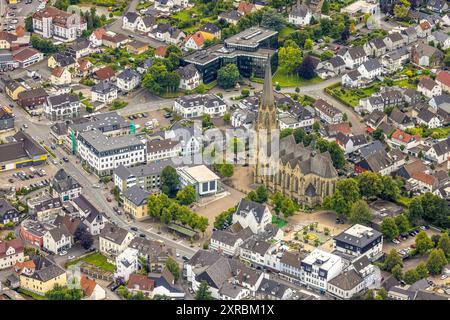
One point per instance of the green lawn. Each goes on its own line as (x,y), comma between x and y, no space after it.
(285,32)
(33,295)
(292,80)
(96,259)
(280,223)
(438,133)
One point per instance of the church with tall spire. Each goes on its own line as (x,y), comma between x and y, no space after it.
(301,173)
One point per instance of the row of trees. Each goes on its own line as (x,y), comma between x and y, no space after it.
(166,210)
(44,45)
(300,135)
(64,293)
(224,218)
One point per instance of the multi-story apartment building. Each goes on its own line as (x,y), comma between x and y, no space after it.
(360,240)
(103,154)
(162,149)
(62,107)
(54,23)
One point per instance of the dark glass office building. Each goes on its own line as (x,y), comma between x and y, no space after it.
(248,50)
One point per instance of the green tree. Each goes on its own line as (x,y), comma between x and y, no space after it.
(402,223)
(389,228)
(224,218)
(325,7)
(382,294)
(227,117)
(349,188)
(206,121)
(337,155)
(423,243)
(422,270)
(287,207)
(392,259)
(316,126)
(227,170)
(306,68)
(289,56)
(415,211)
(401,9)
(169,181)
(160,80)
(64,293)
(309,44)
(228,76)
(390,190)
(411,276)
(174,268)
(397,272)
(436,261)
(29,24)
(187,195)
(378,134)
(370,184)
(444,244)
(271,19)
(360,213)
(277,200)
(260,195)
(203,292)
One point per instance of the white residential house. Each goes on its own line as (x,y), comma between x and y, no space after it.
(96,37)
(300,15)
(62,107)
(440,38)
(162,149)
(370,69)
(57,239)
(104,92)
(130,21)
(254,215)
(394,41)
(128,79)
(354,57)
(10,253)
(189,77)
(327,112)
(127,263)
(170,5)
(428,87)
(146,24)
(114,240)
(428,118)
(439,152)
(60,76)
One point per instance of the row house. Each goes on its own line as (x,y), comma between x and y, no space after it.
(197,105)
(327,112)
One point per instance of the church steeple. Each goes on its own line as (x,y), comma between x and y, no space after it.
(267,99)
(267,111)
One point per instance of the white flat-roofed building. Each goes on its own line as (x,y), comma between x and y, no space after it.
(360,240)
(319,267)
(201,178)
(103,154)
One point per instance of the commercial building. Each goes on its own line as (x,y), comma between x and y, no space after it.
(23,151)
(359,240)
(248,50)
(204,181)
(197,105)
(54,23)
(103,154)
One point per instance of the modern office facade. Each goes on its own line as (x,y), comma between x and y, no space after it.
(248,50)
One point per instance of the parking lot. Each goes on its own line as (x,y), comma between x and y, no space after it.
(26,178)
(15,14)
(141,119)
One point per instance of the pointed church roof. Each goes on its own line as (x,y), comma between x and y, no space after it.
(268,100)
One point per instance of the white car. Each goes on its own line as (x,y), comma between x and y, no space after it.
(70,257)
(395,241)
(444,276)
(178,255)
(63,253)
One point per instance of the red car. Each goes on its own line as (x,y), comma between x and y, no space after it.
(108,199)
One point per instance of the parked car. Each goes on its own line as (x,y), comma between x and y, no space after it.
(63,253)
(70,257)
(65,159)
(185,258)
(142,235)
(108,198)
(134,229)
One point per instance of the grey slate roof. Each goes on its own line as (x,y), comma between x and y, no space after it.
(372,64)
(347,280)
(128,74)
(136,195)
(246,207)
(104,87)
(63,182)
(187,72)
(113,233)
(62,99)
(131,16)
(359,242)
(442,147)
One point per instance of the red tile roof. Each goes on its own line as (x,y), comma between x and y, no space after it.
(444,78)
(245,7)
(87,285)
(5,245)
(99,33)
(57,72)
(25,54)
(425,25)
(423,177)
(105,73)
(402,136)
(161,51)
(140,282)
